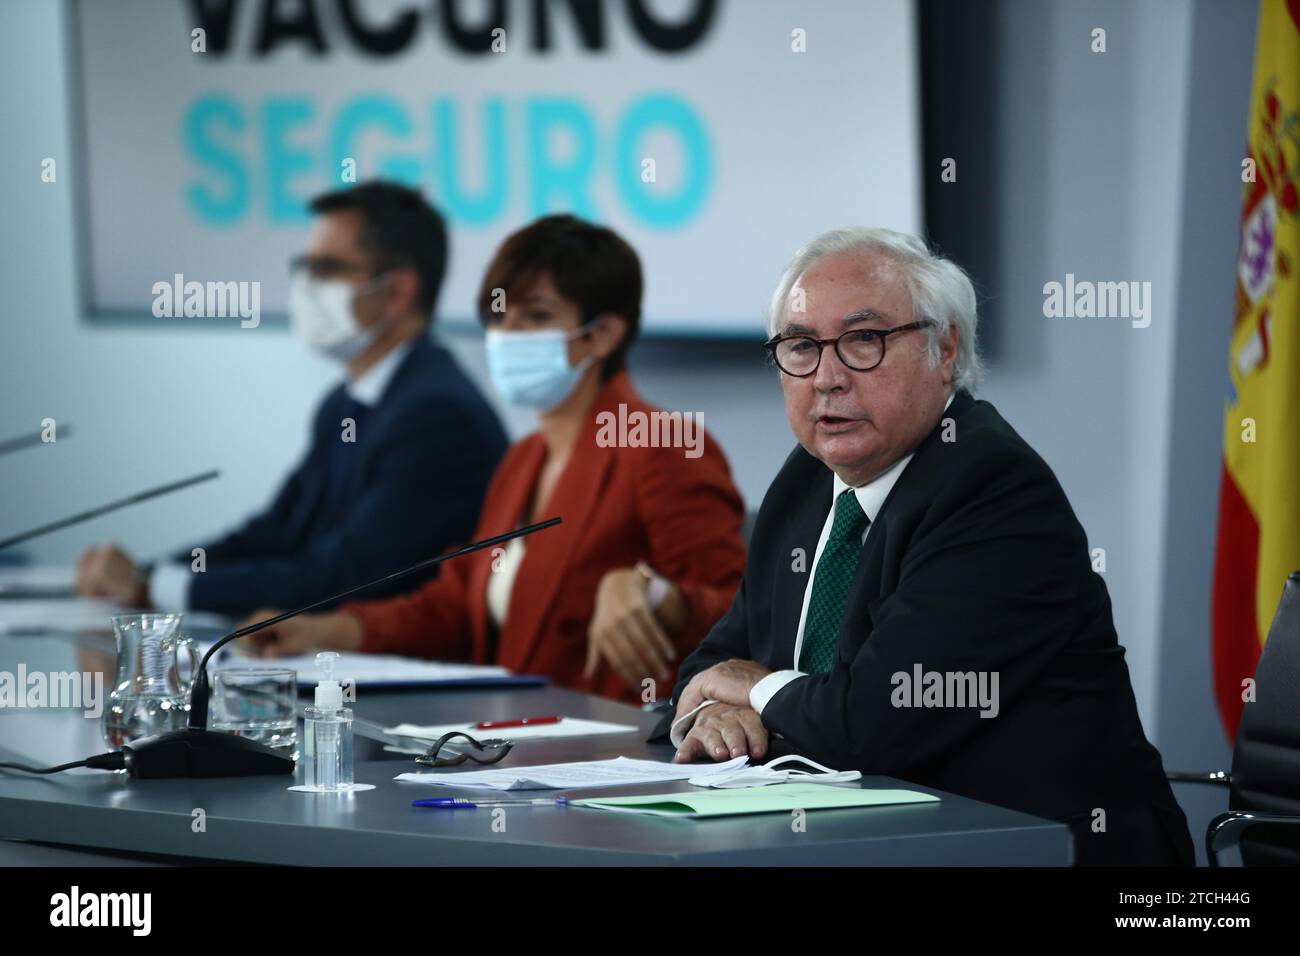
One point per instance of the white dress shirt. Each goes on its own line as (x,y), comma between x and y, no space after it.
(871,497)
(501,582)
(169,584)
(369,387)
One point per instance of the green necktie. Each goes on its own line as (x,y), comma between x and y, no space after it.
(831,582)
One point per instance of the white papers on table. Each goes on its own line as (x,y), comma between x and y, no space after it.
(39,616)
(34,615)
(567,727)
(386,668)
(48,580)
(367,668)
(41,598)
(619,772)
(206,620)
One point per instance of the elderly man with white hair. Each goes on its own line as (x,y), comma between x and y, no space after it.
(919,599)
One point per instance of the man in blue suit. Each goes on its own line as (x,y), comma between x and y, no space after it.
(402,450)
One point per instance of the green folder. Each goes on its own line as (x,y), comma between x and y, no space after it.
(778,798)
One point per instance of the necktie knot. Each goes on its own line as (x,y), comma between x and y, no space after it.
(850,519)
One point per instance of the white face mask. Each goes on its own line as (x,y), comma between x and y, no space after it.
(532,369)
(765,774)
(320,314)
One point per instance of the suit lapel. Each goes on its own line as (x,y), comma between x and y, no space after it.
(504,512)
(865,590)
(867,578)
(800,531)
(371,420)
(548,555)
(316,477)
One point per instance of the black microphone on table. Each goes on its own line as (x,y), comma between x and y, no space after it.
(199,752)
(105,509)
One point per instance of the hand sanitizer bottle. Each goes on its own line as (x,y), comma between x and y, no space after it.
(327,730)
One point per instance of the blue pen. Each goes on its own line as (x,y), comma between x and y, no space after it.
(460,803)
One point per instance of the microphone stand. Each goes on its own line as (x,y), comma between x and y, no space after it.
(199,752)
(105,509)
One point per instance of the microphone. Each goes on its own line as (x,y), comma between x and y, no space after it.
(105,509)
(199,752)
(19,442)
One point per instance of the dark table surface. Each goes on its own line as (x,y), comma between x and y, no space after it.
(257,820)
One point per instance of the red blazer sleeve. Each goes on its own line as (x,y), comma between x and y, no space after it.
(432,621)
(693,515)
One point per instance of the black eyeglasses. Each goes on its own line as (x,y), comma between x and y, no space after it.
(331,267)
(484,752)
(859,349)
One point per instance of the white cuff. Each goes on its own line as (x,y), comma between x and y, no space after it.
(169,587)
(766,689)
(682,725)
(657,586)
(657,591)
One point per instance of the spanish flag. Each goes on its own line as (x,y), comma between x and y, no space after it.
(1259,499)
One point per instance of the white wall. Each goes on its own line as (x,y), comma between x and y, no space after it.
(1090,185)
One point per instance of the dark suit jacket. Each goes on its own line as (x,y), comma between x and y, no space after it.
(976,562)
(413,486)
(620,505)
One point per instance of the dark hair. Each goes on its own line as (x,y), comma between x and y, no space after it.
(590,265)
(401,228)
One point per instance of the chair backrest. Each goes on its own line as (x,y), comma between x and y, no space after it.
(1266,758)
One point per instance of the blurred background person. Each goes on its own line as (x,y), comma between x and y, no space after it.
(650,551)
(374,491)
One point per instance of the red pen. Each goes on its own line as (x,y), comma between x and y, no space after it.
(521,722)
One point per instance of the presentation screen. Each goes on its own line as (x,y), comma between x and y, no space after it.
(715,135)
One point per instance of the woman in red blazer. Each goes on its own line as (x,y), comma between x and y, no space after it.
(649,553)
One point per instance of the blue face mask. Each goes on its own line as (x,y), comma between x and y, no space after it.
(532,369)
